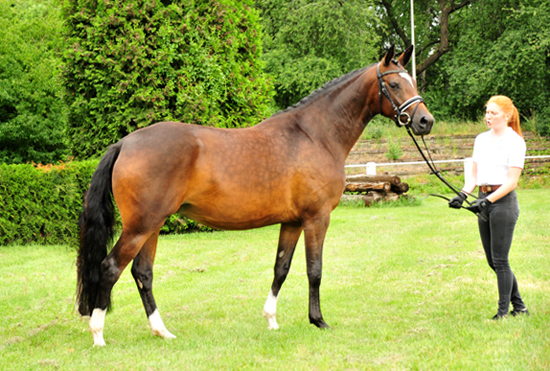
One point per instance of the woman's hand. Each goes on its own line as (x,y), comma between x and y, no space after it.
(480,207)
(457,201)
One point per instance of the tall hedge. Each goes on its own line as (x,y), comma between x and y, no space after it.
(32,112)
(131,63)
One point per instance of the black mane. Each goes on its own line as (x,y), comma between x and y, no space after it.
(324,88)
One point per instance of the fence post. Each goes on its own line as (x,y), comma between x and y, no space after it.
(371,168)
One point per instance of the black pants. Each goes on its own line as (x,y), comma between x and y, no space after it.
(496,236)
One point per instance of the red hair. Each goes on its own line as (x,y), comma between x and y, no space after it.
(508,107)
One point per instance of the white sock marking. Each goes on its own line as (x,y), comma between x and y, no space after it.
(97,322)
(157,326)
(270,311)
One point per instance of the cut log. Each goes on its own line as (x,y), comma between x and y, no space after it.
(368,186)
(392,179)
(400,188)
(371,198)
(390,196)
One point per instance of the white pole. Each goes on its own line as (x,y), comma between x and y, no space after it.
(412,41)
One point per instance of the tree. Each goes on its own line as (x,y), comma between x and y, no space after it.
(32,113)
(434,37)
(309,42)
(508,55)
(131,63)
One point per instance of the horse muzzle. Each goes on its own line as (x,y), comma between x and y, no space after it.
(420,119)
(422,122)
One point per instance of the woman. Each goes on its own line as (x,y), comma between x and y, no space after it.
(498,159)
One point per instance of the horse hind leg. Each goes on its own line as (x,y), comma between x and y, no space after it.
(126,249)
(142,271)
(288,238)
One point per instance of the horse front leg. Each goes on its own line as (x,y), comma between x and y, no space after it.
(288,238)
(315,232)
(142,271)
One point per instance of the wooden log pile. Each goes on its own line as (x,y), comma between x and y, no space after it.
(374,188)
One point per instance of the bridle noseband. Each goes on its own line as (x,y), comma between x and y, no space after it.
(400,114)
(400,111)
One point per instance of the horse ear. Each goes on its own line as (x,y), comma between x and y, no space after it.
(406,56)
(389,56)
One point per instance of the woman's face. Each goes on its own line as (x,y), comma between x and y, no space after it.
(495,117)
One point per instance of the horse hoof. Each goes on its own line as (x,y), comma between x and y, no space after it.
(157,326)
(271,321)
(272,325)
(98,340)
(168,335)
(165,334)
(320,323)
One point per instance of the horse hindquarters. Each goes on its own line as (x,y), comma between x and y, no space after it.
(97,271)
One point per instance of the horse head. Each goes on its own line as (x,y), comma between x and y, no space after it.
(398,96)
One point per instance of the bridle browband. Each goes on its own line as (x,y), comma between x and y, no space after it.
(399,114)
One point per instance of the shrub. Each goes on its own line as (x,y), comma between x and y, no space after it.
(131,63)
(32,112)
(42,203)
(176,224)
(394,149)
(542,124)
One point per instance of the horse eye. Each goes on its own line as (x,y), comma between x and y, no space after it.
(394,85)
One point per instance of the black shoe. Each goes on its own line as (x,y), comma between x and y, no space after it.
(521,312)
(497,317)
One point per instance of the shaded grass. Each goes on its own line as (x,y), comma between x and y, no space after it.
(403,288)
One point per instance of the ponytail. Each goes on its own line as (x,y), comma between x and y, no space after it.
(514,121)
(508,107)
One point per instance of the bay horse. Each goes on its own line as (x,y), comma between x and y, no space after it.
(287,170)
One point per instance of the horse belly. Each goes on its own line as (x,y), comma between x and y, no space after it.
(238,210)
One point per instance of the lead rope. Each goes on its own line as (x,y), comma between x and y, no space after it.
(399,111)
(431,165)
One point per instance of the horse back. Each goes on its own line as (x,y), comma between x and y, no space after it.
(225,178)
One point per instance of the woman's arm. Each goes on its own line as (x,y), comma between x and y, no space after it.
(471,180)
(508,186)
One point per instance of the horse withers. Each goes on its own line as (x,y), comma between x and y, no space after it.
(287,170)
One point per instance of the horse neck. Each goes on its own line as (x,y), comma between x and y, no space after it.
(338,117)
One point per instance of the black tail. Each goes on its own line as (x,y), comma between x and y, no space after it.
(96,224)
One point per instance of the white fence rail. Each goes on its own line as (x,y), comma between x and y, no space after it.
(371,166)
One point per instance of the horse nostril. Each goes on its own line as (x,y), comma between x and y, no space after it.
(424,121)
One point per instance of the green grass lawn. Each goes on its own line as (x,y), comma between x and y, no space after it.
(404,288)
